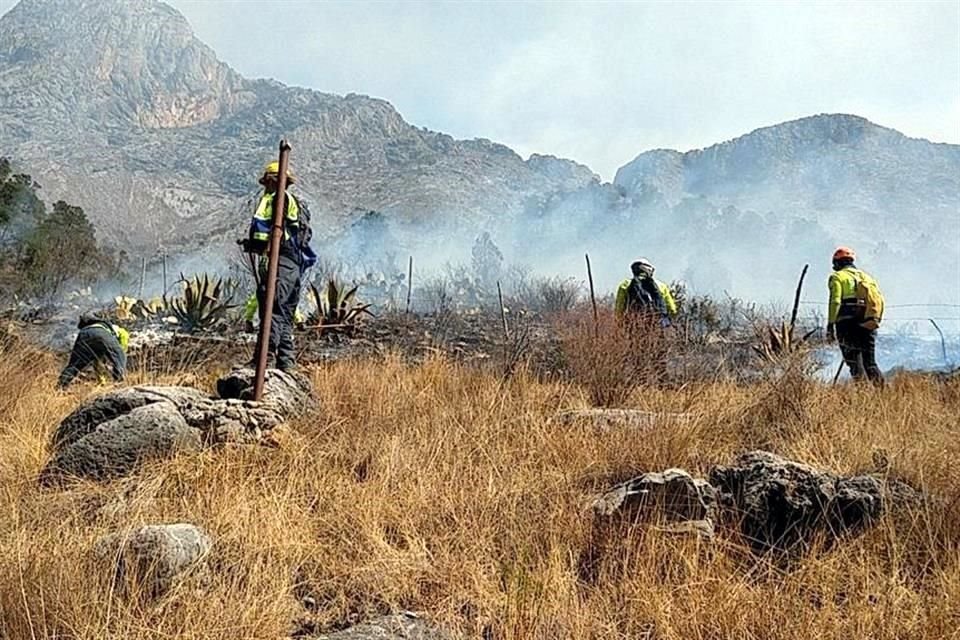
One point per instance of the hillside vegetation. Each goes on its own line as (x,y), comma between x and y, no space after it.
(442,489)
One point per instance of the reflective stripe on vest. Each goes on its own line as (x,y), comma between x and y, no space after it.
(264,213)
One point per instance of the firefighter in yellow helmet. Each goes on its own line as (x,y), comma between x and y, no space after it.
(296,257)
(854,312)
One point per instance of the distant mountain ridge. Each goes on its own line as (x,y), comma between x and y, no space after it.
(784,195)
(841,169)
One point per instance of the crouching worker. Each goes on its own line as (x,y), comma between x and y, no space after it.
(100,344)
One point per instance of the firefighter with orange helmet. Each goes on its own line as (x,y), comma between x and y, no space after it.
(854,314)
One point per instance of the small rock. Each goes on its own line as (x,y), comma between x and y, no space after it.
(673,494)
(153,559)
(611,419)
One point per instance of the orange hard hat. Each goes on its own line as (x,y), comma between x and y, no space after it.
(844,253)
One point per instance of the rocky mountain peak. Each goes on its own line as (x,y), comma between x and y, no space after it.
(115,105)
(812,132)
(767,154)
(118,62)
(572,174)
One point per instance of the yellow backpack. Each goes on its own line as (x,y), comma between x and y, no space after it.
(870,299)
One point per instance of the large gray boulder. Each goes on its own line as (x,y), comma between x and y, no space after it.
(95,412)
(116,447)
(109,436)
(670,501)
(153,559)
(777,504)
(780,504)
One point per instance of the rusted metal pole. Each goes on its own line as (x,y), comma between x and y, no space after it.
(593,297)
(276,235)
(409,284)
(943,342)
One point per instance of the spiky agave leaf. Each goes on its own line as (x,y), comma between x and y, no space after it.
(336,305)
(203,304)
(776,343)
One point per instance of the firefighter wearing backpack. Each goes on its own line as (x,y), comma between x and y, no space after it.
(296,257)
(100,344)
(642,294)
(854,314)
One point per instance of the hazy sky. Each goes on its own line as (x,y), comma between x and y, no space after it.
(600,82)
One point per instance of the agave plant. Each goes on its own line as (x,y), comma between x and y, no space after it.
(778,342)
(155,306)
(205,302)
(337,307)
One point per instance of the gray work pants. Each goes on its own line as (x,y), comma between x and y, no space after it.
(285,302)
(95,343)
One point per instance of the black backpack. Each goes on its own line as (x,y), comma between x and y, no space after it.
(304,231)
(643,295)
(306,255)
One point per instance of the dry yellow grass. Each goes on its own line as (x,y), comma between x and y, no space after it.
(435,488)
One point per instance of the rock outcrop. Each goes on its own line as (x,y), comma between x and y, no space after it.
(153,559)
(287,392)
(774,503)
(118,445)
(778,503)
(111,435)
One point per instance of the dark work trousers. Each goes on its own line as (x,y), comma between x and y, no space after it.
(95,343)
(859,348)
(284,307)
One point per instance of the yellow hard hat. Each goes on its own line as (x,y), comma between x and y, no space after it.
(272,169)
